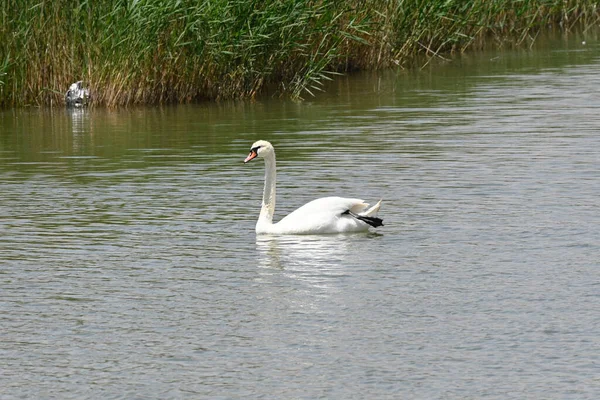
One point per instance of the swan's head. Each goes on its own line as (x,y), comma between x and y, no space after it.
(262,149)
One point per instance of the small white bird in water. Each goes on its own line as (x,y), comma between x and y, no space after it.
(324,215)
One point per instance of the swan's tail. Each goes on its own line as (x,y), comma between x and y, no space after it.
(371,212)
(369,215)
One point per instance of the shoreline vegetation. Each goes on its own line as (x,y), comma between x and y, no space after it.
(153,52)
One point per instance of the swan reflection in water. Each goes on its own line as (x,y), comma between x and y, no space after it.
(315,259)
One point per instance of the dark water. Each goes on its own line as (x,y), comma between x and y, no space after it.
(129,266)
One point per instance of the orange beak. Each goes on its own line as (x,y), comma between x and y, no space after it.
(251,156)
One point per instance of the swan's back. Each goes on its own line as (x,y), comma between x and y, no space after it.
(324,215)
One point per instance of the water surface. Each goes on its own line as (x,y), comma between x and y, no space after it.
(129,266)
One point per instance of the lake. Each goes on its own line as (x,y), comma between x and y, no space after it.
(130,268)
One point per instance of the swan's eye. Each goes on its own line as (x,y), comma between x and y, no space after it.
(255,149)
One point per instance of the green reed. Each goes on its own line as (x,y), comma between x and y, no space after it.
(151,51)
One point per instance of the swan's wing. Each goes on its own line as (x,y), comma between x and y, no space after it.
(327,206)
(327,215)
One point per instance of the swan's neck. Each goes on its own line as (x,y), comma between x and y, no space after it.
(268,202)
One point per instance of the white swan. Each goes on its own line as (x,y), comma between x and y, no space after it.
(324,215)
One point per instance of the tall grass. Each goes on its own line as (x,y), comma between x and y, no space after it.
(151,51)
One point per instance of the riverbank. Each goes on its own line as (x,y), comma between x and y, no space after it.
(147,53)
